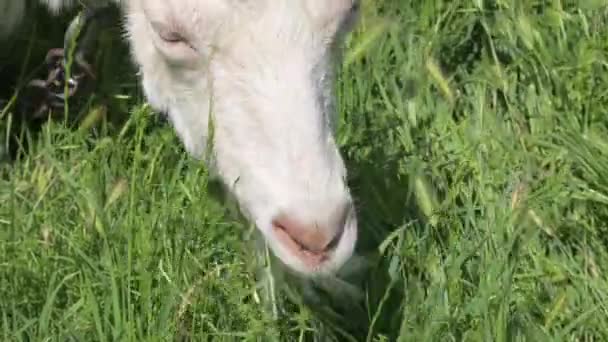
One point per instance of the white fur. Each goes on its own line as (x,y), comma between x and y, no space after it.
(262,71)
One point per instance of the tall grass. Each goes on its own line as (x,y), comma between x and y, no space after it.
(476,135)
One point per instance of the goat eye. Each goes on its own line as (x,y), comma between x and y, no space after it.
(171,37)
(174,46)
(168,35)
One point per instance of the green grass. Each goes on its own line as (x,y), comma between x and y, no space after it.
(476,134)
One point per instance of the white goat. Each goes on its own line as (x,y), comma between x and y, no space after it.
(261,72)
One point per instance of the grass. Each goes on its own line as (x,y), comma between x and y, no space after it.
(476,135)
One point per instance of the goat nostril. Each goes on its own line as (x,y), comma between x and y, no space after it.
(334,242)
(339,227)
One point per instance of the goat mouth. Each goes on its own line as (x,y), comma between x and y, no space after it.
(311,259)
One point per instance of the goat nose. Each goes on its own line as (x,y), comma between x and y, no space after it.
(313,236)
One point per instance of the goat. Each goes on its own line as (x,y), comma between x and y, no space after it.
(260,73)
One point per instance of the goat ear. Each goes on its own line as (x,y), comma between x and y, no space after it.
(331,14)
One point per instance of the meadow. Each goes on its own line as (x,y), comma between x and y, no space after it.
(476,138)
